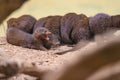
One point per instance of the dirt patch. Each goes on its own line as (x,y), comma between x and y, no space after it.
(44,59)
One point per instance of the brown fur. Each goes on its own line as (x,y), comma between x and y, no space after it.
(100,23)
(53,24)
(42,34)
(115,21)
(81,29)
(41,22)
(37,40)
(67,23)
(79,34)
(24,23)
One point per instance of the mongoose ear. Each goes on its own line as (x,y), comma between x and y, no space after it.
(11,22)
(35,34)
(14,24)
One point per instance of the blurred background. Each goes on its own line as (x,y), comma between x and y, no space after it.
(43,8)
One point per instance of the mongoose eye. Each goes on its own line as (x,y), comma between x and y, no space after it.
(45,31)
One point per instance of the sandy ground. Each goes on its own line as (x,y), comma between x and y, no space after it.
(45,59)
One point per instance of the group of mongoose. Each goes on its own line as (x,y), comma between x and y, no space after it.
(51,31)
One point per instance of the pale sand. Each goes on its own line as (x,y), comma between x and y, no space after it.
(45,59)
